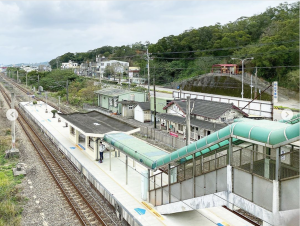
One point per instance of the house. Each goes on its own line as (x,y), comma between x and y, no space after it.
(118,66)
(206,117)
(109,98)
(128,108)
(134,76)
(142,112)
(161,102)
(69,65)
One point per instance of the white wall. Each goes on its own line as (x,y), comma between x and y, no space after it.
(139,114)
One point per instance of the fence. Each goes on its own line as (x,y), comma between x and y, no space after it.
(125,214)
(260,108)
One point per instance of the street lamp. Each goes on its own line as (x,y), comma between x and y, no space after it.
(251,58)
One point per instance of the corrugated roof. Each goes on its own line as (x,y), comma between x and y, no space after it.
(206,108)
(194,122)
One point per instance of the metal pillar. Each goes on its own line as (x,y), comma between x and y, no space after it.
(229,152)
(194,173)
(126,169)
(169,181)
(109,160)
(148,196)
(13,124)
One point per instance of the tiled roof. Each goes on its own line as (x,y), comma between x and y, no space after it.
(194,122)
(206,108)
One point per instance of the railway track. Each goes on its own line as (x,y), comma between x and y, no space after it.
(30,93)
(86,207)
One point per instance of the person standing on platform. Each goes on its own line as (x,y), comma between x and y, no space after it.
(101,150)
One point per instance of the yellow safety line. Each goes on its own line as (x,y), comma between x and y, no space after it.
(153,211)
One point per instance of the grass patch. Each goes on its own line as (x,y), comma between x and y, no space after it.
(162,91)
(10,200)
(282,108)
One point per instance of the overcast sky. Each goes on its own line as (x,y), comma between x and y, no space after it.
(38,31)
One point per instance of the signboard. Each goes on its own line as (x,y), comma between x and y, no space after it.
(173,134)
(130,74)
(275,92)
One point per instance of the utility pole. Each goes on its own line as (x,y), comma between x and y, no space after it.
(17,76)
(148,75)
(188,120)
(154,100)
(100,69)
(243,72)
(255,90)
(26,79)
(67,89)
(251,86)
(13,126)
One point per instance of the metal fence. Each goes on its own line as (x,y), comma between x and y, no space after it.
(125,214)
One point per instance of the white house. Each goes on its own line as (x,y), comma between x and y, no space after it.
(142,112)
(68,65)
(119,66)
(206,117)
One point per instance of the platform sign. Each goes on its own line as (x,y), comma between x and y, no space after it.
(173,134)
(275,92)
(140,211)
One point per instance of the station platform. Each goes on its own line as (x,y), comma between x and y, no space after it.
(113,178)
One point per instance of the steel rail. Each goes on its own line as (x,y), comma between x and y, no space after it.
(52,171)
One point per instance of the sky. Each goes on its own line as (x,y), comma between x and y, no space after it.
(38,31)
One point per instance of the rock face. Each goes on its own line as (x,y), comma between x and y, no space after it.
(231,85)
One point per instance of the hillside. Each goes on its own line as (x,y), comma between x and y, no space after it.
(271,37)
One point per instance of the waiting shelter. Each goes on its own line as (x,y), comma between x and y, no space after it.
(88,129)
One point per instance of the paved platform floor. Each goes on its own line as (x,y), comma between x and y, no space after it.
(114,180)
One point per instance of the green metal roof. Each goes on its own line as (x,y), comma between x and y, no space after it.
(262,131)
(293,120)
(135,148)
(267,132)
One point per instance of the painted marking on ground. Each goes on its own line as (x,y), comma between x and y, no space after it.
(153,211)
(140,211)
(49,120)
(79,147)
(72,147)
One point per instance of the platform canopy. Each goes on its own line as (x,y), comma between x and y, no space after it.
(137,149)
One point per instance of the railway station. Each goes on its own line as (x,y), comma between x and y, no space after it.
(251,165)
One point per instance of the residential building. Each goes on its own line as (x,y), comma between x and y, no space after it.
(206,117)
(69,65)
(142,112)
(118,66)
(109,98)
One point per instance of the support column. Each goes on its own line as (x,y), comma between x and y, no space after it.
(194,173)
(229,152)
(229,187)
(169,182)
(126,169)
(109,158)
(95,149)
(148,191)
